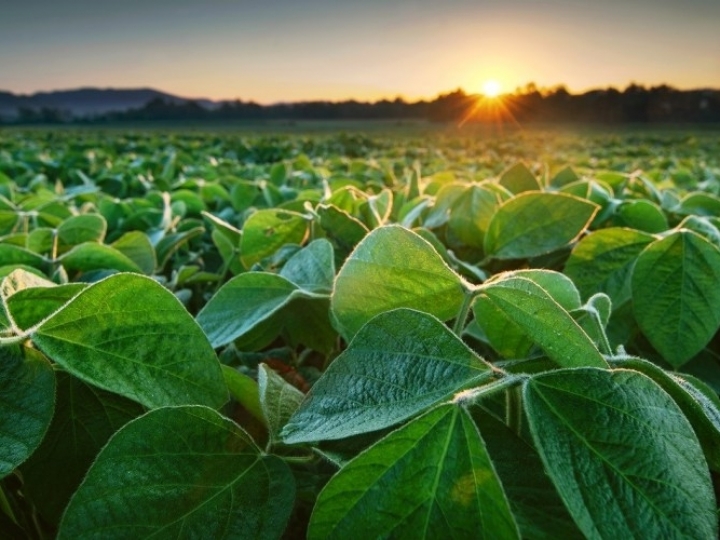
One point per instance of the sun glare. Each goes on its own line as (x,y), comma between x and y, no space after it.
(491,88)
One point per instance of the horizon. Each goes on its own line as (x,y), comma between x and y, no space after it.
(334,50)
(516,91)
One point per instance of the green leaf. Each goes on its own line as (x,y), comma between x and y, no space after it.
(603,262)
(399,364)
(244,390)
(533,224)
(83,228)
(129,335)
(535,502)
(643,215)
(312,268)
(621,454)
(534,312)
(470,215)
(181,472)
(85,418)
(558,286)
(340,227)
(245,302)
(429,479)
(506,335)
(93,256)
(676,295)
(704,227)
(278,398)
(137,247)
(518,179)
(307,322)
(699,204)
(564,177)
(699,409)
(445,198)
(29,307)
(392,268)
(27,400)
(266,231)
(16,255)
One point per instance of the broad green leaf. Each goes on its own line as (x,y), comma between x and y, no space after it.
(85,418)
(9,220)
(278,399)
(27,400)
(701,410)
(392,268)
(29,307)
(699,204)
(129,335)
(704,227)
(245,302)
(312,268)
(340,227)
(137,247)
(446,197)
(307,322)
(244,390)
(621,454)
(535,503)
(430,479)
(531,309)
(243,194)
(558,286)
(16,255)
(181,472)
(603,262)
(518,179)
(83,228)
(266,231)
(533,224)
(676,295)
(41,240)
(470,215)
(93,256)
(564,177)
(399,364)
(504,334)
(643,215)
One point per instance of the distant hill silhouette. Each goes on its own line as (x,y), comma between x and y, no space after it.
(82,102)
(635,104)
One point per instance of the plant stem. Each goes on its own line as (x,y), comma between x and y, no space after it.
(513,409)
(462,315)
(472,395)
(604,341)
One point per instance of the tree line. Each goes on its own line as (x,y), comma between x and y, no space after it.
(635,104)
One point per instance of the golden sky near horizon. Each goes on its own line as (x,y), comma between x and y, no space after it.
(283,50)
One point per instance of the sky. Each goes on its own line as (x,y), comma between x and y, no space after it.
(292,50)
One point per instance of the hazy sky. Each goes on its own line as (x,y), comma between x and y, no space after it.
(287,50)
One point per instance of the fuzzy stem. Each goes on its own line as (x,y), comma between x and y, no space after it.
(464,311)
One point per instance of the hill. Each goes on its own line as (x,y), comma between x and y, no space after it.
(82,102)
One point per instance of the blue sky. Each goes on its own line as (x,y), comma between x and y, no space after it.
(281,50)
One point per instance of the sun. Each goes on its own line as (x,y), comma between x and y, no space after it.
(491,88)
